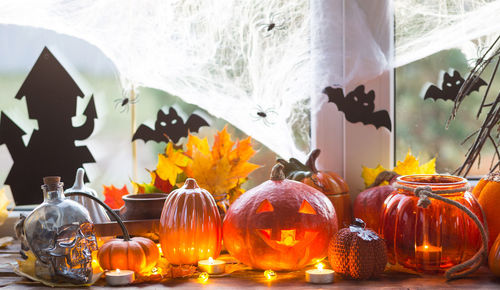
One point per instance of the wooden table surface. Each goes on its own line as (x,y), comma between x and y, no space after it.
(482,279)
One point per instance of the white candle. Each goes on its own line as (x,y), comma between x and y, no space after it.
(119,277)
(320,275)
(212,266)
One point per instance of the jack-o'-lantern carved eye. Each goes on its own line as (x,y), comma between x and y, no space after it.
(265,206)
(306,208)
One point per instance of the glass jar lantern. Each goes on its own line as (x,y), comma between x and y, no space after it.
(432,239)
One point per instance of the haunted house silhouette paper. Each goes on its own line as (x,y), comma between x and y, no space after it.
(51,96)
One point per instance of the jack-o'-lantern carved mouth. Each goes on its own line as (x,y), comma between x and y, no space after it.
(288,239)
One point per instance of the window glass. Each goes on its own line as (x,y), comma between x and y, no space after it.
(421,123)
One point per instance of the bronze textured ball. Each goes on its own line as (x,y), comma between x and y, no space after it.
(358,253)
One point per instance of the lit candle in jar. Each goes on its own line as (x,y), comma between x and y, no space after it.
(119,277)
(428,256)
(212,266)
(320,275)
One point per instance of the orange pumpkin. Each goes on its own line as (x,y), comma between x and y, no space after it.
(190,225)
(487,193)
(368,204)
(494,257)
(279,225)
(357,252)
(137,254)
(329,183)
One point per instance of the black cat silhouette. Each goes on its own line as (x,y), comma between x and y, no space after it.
(358,106)
(450,87)
(169,126)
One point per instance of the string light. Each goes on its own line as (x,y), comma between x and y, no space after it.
(203,278)
(270,275)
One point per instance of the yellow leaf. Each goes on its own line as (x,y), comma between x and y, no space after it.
(225,167)
(369,174)
(4,202)
(411,166)
(28,266)
(171,163)
(195,143)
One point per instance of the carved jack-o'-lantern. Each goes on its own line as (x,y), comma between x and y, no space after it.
(280,225)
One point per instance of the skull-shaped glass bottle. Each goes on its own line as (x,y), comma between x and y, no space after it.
(60,234)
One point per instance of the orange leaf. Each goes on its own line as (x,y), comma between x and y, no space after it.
(113,196)
(222,144)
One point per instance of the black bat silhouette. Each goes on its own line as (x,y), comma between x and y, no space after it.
(358,106)
(169,126)
(450,87)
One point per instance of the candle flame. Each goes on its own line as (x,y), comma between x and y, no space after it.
(117,270)
(320,266)
(426,247)
(270,275)
(210,260)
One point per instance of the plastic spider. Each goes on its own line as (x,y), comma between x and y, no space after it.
(125,102)
(274,23)
(266,115)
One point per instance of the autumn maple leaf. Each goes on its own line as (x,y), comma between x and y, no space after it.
(410,165)
(171,163)
(113,196)
(223,168)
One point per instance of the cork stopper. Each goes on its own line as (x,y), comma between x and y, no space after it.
(52,182)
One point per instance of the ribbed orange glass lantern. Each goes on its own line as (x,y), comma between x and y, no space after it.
(190,225)
(432,239)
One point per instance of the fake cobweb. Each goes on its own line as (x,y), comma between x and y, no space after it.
(247,62)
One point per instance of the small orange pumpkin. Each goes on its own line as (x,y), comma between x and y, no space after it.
(329,183)
(358,253)
(137,254)
(487,193)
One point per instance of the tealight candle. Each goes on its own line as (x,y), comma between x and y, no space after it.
(119,277)
(212,266)
(320,275)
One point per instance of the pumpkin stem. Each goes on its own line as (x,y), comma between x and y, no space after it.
(190,184)
(126,235)
(311,160)
(383,176)
(277,173)
(359,223)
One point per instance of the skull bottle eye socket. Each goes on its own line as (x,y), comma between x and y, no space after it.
(67,237)
(265,206)
(306,208)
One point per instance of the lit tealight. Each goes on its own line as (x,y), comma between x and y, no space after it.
(119,277)
(203,278)
(320,275)
(212,266)
(270,275)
